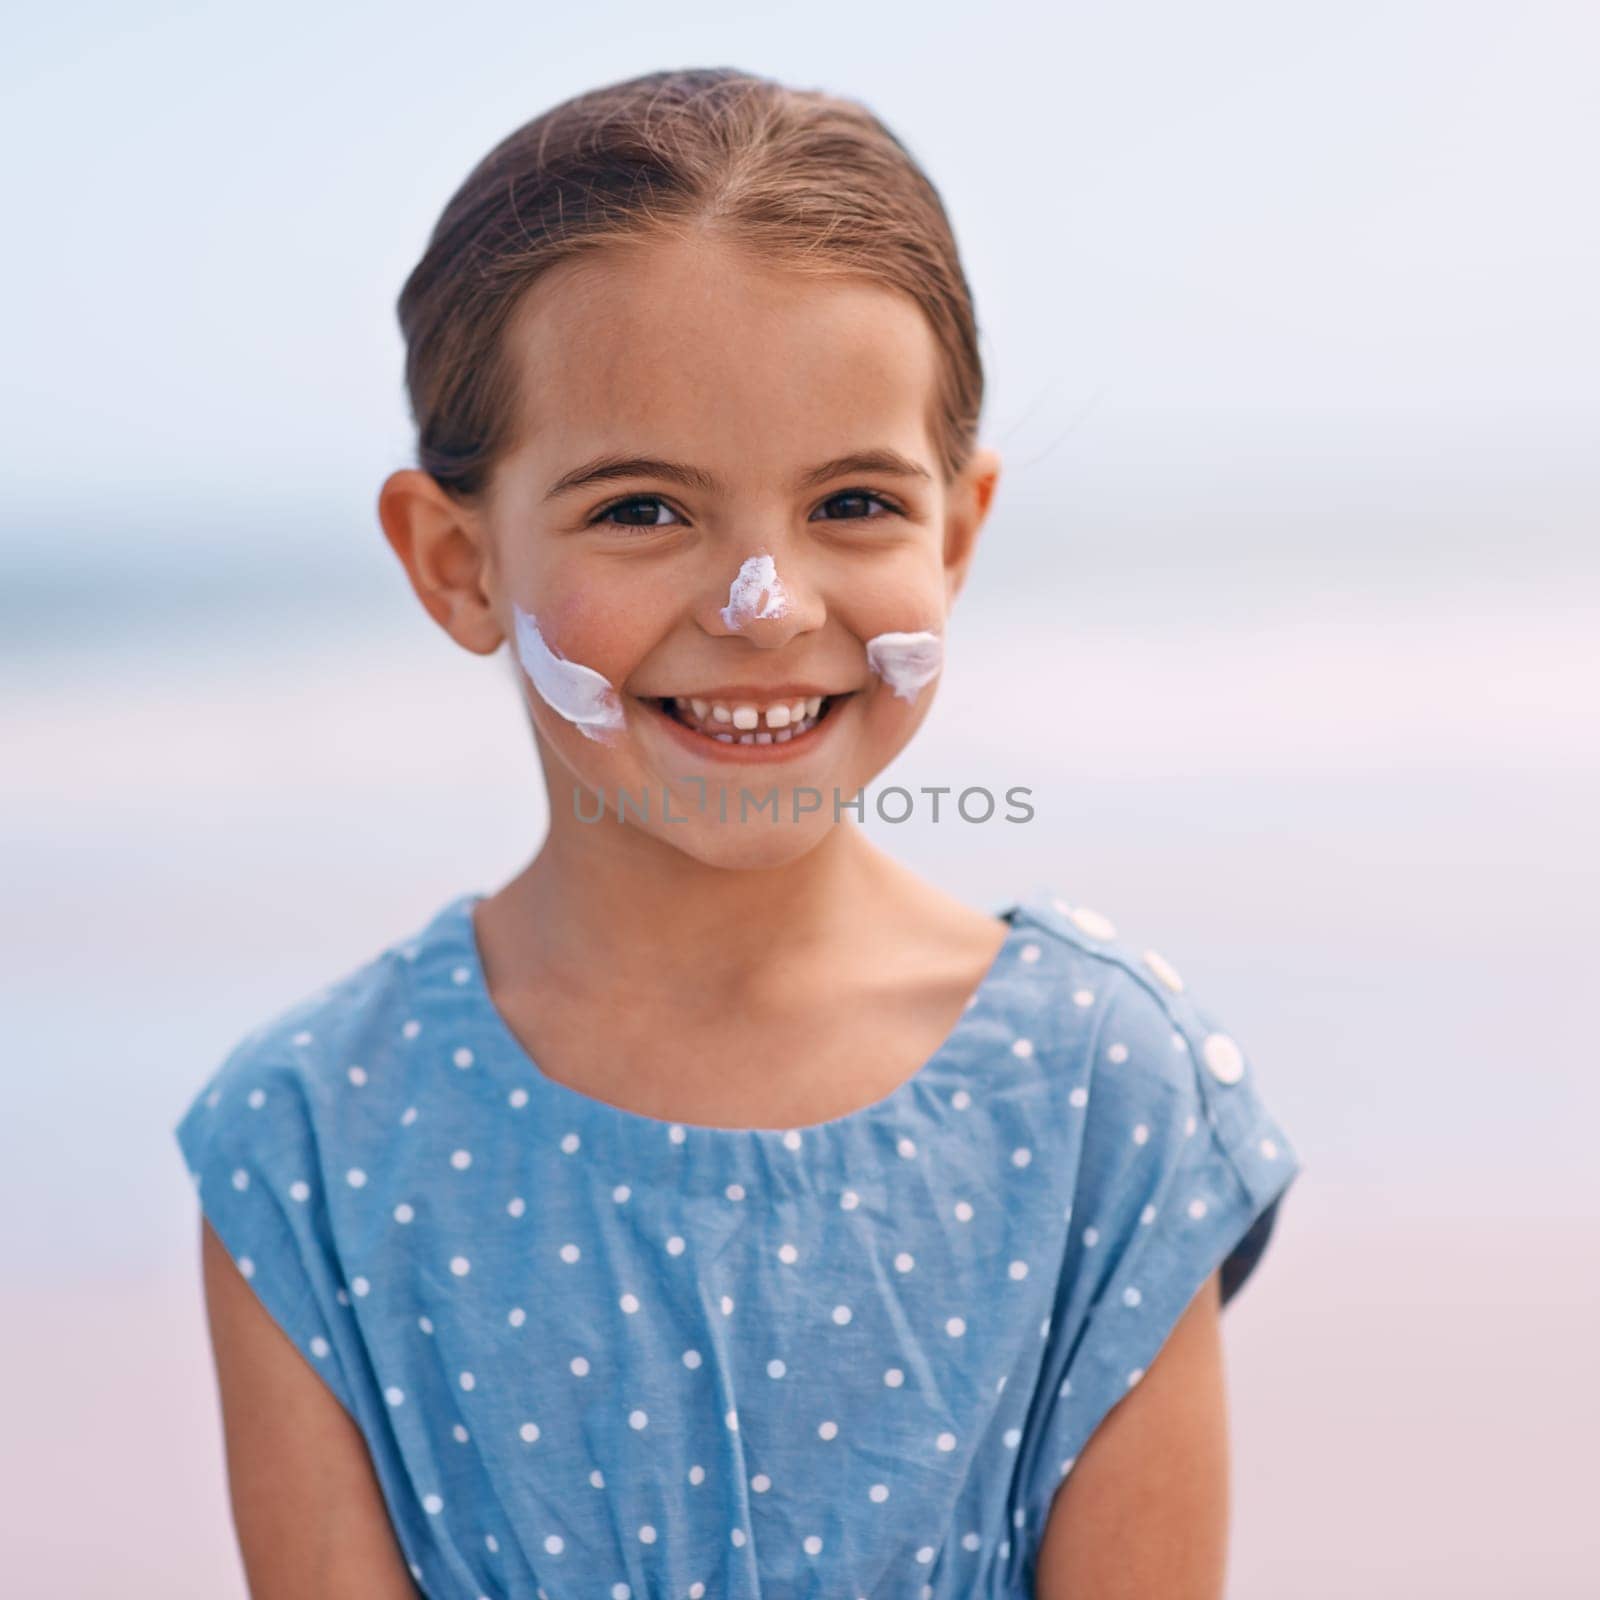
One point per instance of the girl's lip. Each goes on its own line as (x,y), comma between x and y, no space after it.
(708,748)
(756,694)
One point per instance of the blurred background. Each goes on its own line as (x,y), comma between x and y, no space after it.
(1287,614)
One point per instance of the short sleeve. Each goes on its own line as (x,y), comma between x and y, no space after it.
(1181,1171)
(249,1143)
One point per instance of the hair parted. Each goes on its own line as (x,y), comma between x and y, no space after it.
(804,180)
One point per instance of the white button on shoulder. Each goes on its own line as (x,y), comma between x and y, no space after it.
(1223,1057)
(1093,923)
(1164,970)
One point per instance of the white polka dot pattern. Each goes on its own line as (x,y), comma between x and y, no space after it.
(1164,970)
(1223,1058)
(701,1338)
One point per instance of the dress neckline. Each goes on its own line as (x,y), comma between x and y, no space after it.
(461,930)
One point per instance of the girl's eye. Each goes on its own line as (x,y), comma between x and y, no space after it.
(859,497)
(641,510)
(639,502)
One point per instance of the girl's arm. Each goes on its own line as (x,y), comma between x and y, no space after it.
(309,1514)
(1143,1515)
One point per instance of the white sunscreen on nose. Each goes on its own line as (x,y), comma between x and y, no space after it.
(906,661)
(757,591)
(571,690)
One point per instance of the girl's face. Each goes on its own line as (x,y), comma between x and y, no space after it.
(726,506)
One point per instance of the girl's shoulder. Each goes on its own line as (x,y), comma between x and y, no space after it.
(1177,1165)
(363,1024)
(1124,1024)
(279,1137)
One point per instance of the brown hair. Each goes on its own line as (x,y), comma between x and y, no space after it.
(808,181)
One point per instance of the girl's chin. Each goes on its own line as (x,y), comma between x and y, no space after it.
(755,845)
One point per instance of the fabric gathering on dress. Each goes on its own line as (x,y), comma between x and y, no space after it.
(597,1354)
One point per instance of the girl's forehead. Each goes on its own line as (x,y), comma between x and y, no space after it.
(649,290)
(701,347)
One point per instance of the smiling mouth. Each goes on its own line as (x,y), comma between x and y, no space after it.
(746,724)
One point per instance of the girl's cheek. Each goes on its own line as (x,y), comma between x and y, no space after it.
(575,649)
(604,630)
(901,624)
(575,691)
(907,660)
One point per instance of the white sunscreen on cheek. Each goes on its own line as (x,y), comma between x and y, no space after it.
(906,661)
(571,690)
(757,591)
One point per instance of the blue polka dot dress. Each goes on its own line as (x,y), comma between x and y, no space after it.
(597,1354)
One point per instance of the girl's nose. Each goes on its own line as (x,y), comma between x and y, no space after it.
(762,603)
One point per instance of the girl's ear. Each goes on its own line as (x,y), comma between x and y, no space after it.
(968,502)
(444,549)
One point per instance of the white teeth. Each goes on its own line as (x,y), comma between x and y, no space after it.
(782,736)
(744,715)
(774,724)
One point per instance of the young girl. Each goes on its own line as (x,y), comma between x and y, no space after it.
(716,1209)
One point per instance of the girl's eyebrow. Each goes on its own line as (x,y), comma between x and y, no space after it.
(608,469)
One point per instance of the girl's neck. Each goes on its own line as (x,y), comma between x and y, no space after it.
(624,911)
(622,902)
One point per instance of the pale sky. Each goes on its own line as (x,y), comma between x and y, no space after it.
(1316,275)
